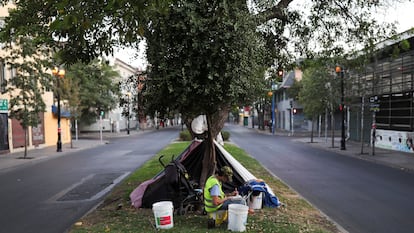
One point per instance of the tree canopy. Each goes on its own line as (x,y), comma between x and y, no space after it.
(90,88)
(205,55)
(318,89)
(91,28)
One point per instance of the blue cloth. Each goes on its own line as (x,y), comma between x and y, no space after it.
(253,187)
(215,191)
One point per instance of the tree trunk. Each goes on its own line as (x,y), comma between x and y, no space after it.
(312,130)
(362,126)
(215,123)
(333,128)
(209,159)
(70,133)
(25,143)
(187,122)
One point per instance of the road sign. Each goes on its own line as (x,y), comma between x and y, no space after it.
(374,107)
(373,99)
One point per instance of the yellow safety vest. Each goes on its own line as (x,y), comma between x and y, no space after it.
(208,201)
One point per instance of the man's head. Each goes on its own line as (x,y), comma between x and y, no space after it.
(227,173)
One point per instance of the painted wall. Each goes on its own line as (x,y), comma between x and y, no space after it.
(394,140)
(51,129)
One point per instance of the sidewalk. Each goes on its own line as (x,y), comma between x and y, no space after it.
(13,160)
(396,159)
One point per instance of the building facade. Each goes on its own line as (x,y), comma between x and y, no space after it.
(12,135)
(381,97)
(114,120)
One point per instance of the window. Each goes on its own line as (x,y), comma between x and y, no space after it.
(395,111)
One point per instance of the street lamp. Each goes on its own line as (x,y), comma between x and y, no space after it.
(340,71)
(58,73)
(129,111)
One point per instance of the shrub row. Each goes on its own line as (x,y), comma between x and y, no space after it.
(186,136)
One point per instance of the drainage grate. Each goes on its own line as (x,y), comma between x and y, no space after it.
(90,187)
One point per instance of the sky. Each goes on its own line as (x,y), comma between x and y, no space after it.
(402,13)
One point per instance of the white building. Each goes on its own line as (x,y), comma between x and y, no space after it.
(113,121)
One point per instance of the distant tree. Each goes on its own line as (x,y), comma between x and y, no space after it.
(26,86)
(91,89)
(128,98)
(71,93)
(294,90)
(318,90)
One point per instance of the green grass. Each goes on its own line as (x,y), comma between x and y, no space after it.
(116,215)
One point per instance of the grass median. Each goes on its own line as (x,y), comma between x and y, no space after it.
(115,213)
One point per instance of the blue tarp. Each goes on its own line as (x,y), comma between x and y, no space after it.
(254,187)
(63,113)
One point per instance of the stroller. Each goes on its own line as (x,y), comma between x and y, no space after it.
(185,194)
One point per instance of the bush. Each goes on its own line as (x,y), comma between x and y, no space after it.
(185,136)
(225,135)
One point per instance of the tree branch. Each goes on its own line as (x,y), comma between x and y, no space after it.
(276,12)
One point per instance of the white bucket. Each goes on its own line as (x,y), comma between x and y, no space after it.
(237,217)
(256,202)
(163,213)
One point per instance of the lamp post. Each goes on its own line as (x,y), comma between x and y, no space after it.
(272,95)
(129,111)
(58,73)
(340,71)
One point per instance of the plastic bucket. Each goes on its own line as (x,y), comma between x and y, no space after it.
(163,213)
(256,202)
(237,217)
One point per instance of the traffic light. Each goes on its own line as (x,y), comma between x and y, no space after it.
(279,75)
(294,111)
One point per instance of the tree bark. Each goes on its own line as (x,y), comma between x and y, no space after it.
(312,130)
(209,159)
(275,12)
(25,142)
(215,123)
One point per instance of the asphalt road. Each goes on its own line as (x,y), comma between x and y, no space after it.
(50,196)
(358,195)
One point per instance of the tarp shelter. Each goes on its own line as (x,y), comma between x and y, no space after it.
(157,188)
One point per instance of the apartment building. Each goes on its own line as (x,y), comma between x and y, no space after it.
(12,135)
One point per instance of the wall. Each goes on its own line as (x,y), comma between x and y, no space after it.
(51,129)
(394,140)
